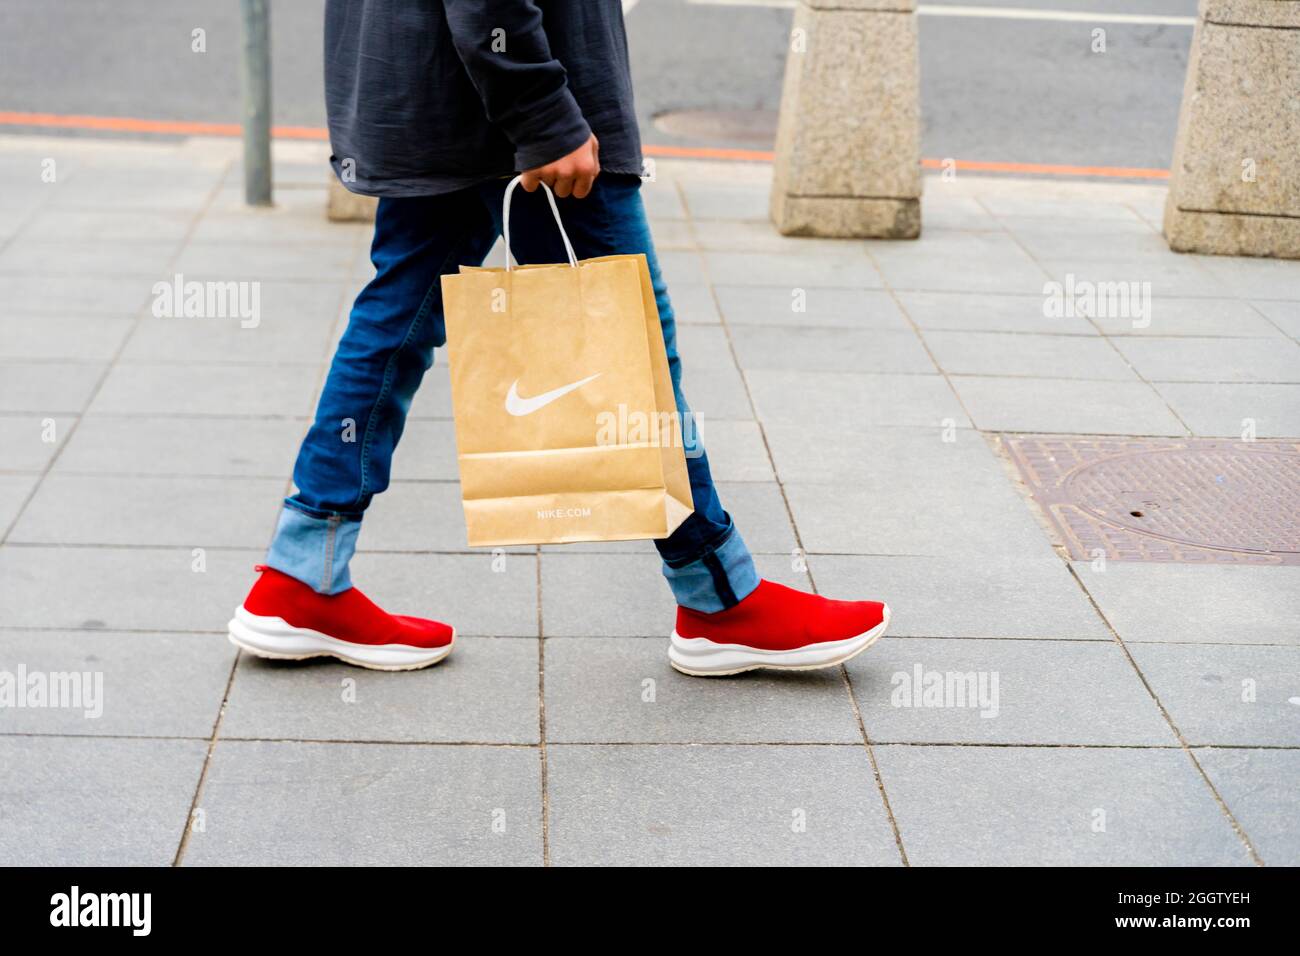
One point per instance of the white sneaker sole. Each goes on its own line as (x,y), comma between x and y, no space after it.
(276,639)
(701,657)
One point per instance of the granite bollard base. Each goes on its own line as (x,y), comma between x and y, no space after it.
(846,216)
(1235,184)
(848,139)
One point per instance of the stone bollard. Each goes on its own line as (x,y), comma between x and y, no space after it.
(848,139)
(1235,185)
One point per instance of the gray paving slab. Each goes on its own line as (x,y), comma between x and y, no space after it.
(716,393)
(958,262)
(715,805)
(117,683)
(14,489)
(182,446)
(849,269)
(62,295)
(139,510)
(416,516)
(852,399)
(221,390)
(622,690)
(759,511)
(299,222)
(282,300)
(736,450)
(1172,275)
(940,211)
(1174,316)
(1256,278)
(1228,695)
(623,595)
(757,235)
(30,440)
(62,337)
(693,305)
(662,200)
(427,452)
(81,257)
(988,312)
(1213,359)
(1047,239)
(1005,692)
(830,350)
(714,200)
(815,307)
(704,347)
(155,589)
(682,268)
(672,234)
(1198,604)
(476,593)
(45,387)
(838,447)
(266,259)
(485,692)
(1233,410)
(106,225)
(1282,313)
(123,189)
(1054,806)
(998,353)
(1066,406)
(1009,596)
(931,515)
(275,341)
(1050,211)
(321,804)
(1259,787)
(66,801)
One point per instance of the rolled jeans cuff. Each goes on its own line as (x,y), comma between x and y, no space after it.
(719,579)
(314,550)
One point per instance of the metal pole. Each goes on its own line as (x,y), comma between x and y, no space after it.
(257,102)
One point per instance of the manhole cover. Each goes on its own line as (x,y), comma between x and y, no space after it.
(751,127)
(1190,500)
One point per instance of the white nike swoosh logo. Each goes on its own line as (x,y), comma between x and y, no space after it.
(526,406)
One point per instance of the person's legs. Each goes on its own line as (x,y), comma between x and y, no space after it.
(705,560)
(304,605)
(394,327)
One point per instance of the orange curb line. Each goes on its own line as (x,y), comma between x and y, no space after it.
(128,124)
(1048,169)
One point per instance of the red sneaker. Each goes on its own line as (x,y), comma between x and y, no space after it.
(776,627)
(285,619)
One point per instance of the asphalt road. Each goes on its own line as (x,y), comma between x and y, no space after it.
(1019,88)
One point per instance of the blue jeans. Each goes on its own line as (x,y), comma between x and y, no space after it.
(395,325)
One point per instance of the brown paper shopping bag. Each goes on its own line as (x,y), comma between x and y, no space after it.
(566,427)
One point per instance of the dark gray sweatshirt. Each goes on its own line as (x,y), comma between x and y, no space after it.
(429,96)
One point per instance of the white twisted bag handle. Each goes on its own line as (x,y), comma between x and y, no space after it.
(555,211)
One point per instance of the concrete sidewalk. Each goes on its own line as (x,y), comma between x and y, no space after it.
(1124,712)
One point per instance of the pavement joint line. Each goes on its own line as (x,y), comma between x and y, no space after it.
(541,718)
(184,842)
(1164,712)
(1254,305)
(139,314)
(794,526)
